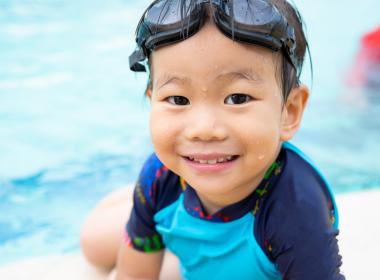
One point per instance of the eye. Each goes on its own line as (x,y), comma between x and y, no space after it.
(237,99)
(178,100)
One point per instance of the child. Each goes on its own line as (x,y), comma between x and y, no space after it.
(224,191)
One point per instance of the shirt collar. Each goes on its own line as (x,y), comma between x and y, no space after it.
(236,210)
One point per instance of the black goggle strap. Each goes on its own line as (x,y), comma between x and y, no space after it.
(289,44)
(136,59)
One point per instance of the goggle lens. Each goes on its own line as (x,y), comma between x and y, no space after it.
(250,13)
(167,12)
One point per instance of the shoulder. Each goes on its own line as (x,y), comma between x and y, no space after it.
(150,171)
(300,200)
(297,222)
(299,193)
(301,190)
(302,185)
(157,184)
(300,221)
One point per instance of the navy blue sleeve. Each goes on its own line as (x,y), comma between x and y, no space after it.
(299,234)
(141,233)
(303,242)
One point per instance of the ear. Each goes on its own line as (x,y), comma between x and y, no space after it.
(148,93)
(293,112)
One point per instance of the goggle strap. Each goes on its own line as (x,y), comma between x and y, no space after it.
(134,61)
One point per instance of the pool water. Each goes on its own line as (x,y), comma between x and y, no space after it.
(74,124)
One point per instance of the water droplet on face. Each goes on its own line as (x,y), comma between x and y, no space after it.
(204,89)
(261,157)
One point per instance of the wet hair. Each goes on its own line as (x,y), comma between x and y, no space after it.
(290,75)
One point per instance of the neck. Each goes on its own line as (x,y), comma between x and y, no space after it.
(213,203)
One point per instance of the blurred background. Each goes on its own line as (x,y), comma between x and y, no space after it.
(74,123)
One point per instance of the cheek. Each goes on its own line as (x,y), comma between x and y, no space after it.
(261,131)
(157,127)
(163,131)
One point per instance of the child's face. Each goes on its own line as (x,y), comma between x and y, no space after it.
(231,105)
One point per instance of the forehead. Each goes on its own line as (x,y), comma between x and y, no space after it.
(210,55)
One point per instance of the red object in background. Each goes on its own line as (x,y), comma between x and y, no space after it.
(366,69)
(371,46)
(371,41)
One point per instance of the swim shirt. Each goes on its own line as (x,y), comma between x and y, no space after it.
(285,229)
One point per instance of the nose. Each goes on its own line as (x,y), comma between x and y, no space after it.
(205,124)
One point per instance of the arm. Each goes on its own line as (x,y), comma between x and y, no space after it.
(135,265)
(141,254)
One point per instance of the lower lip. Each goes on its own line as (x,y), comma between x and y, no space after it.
(210,168)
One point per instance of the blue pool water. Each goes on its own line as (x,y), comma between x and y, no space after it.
(73,123)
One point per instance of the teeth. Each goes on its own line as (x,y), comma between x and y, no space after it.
(212,161)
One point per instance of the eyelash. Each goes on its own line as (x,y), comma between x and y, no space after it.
(238,95)
(173,99)
(183,101)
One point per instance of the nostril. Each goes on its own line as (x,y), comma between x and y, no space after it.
(204,132)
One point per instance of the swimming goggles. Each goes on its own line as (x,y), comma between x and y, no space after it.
(250,21)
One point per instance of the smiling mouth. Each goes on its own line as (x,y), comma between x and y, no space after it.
(212,161)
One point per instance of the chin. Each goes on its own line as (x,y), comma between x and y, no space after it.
(209,186)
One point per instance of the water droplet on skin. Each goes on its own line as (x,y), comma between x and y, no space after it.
(261,157)
(204,89)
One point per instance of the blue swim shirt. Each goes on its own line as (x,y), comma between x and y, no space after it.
(285,229)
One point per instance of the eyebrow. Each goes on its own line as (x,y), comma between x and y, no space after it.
(167,79)
(239,74)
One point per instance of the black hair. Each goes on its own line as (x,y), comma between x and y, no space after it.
(290,74)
